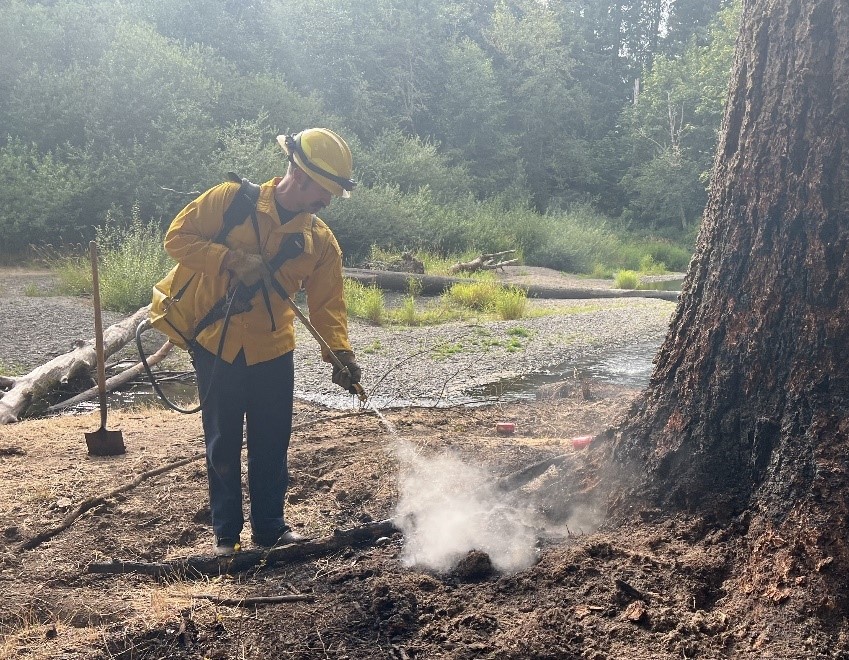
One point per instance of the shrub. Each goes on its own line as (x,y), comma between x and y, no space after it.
(133,261)
(480,295)
(626,279)
(130,261)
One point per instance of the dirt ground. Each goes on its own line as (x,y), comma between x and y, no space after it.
(659,589)
(498,546)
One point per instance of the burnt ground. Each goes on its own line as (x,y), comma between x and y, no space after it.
(494,561)
(654,588)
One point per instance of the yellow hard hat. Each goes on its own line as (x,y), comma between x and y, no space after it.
(324,156)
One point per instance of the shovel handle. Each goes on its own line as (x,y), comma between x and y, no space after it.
(98,334)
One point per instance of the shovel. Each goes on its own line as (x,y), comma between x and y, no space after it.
(101,442)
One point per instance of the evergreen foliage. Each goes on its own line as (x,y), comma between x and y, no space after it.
(479,126)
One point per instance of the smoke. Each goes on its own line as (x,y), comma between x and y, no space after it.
(447,508)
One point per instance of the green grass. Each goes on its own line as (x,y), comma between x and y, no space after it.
(511,303)
(7,369)
(365,302)
(32,290)
(374,347)
(626,279)
(131,260)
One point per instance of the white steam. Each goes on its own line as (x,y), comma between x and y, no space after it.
(447,508)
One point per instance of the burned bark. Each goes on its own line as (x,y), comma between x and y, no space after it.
(247,559)
(745,410)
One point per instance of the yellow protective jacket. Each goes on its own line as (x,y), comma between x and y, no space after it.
(266,331)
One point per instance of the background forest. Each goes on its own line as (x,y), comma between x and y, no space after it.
(580,131)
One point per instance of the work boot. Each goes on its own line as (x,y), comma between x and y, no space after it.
(225,547)
(282,536)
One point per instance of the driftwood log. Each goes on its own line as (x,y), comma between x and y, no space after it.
(491,261)
(433,285)
(64,367)
(116,381)
(247,559)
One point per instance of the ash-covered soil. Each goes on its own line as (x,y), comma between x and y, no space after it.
(500,546)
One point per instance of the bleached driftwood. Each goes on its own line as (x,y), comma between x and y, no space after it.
(116,381)
(484,262)
(64,367)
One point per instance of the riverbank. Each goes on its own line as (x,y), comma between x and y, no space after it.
(400,364)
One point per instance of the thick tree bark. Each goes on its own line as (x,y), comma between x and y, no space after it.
(747,406)
(64,367)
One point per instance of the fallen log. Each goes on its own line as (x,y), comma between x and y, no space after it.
(247,559)
(64,367)
(116,381)
(434,285)
(491,261)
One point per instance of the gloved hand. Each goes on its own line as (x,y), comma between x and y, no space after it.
(248,268)
(347,379)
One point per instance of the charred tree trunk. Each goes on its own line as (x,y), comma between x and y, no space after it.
(747,407)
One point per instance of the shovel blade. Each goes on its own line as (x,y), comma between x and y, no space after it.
(105,443)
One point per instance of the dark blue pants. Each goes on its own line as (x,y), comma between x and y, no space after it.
(261,394)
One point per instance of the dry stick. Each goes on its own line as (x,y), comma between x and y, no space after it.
(92,502)
(257,600)
(116,381)
(248,559)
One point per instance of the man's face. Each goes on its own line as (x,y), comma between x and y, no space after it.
(313,196)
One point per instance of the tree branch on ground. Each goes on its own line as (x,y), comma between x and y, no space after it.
(64,367)
(246,559)
(491,261)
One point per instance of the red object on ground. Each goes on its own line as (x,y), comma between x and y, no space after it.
(581,441)
(505,428)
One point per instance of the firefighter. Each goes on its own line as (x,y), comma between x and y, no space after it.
(244,363)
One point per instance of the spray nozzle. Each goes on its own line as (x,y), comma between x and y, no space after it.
(357,389)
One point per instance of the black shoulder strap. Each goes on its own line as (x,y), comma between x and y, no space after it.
(242,206)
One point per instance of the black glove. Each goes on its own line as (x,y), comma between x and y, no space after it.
(347,379)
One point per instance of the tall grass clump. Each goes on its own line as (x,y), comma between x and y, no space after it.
(72,268)
(133,261)
(626,279)
(510,303)
(365,302)
(479,295)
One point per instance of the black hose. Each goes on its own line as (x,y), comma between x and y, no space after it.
(144,326)
(173,406)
